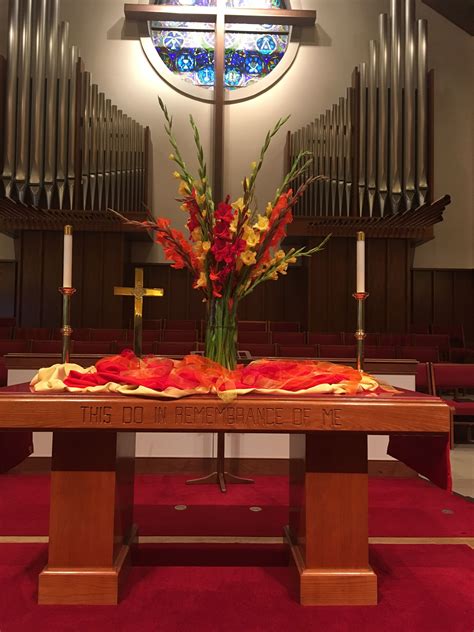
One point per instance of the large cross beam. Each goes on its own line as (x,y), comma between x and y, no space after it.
(219,15)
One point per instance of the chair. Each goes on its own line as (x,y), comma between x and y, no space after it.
(150,335)
(14,346)
(156,323)
(148,347)
(175,348)
(46,346)
(337,351)
(418,329)
(259,350)
(80,333)
(179,335)
(380,351)
(394,339)
(458,355)
(423,378)
(3,373)
(93,347)
(456,381)
(257,337)
(431,340)
(10,346)
(107,335)
(297,351)
(455,333)
(370,339)
(7,322)
(422,354)
(252,325)
(6,333)
(283,325)
(315,338)
(32,333)
(289,337)
(180,324)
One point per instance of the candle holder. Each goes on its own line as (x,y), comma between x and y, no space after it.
(66,329)
(360,332)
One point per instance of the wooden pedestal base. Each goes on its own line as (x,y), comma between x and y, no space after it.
(91,528)
(328,531)
(332,588)
(79,586)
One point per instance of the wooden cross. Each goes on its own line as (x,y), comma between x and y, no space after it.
(219,15)
(138,292)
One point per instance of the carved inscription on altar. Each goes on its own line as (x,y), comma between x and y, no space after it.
(332,417)
(96,415)
(209,416)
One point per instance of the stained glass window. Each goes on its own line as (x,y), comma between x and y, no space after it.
(251,51)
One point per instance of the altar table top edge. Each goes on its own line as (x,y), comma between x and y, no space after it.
(383,413)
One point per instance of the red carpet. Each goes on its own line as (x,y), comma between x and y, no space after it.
(397,507)
(421,589)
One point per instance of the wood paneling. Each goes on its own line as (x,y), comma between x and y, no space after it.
(443,297)
(398,295)
(460,12)
(376,282)
(52,278)
(30,279)
(7,288)
(98,264)
(317,292)
(283,300)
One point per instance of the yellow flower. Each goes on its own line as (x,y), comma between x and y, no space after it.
(291,260)
(183,189)
(206,245)
(238,205)
(201,198)
(282,269)
(176,175)
(269,209)
(250,236)
(201,281)
(261,223)
(248,257)
(183,208)
(253,165)
(279,255)
(171,156)
(196,234)
(233,224)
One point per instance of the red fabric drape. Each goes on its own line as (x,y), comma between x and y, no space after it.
(15,446)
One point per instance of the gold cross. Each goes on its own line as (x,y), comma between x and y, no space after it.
(138,292)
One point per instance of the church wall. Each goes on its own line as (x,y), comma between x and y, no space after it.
(113,54)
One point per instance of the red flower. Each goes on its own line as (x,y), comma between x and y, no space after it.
(224,211)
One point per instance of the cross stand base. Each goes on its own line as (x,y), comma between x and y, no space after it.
(220,476)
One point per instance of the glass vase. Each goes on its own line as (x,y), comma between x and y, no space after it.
(221,332)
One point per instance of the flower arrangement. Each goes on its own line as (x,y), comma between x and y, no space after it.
(231,248)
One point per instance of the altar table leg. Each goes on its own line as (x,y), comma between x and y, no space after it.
(328,531)
(91,517)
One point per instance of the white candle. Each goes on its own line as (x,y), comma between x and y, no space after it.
(67,257)
(360,282)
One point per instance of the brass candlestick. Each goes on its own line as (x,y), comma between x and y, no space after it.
(66,329)
(360,332)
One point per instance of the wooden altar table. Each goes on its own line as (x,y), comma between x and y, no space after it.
(91,513)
